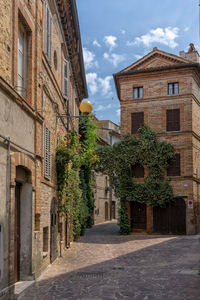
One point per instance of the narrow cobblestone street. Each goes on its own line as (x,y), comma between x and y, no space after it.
(104,265)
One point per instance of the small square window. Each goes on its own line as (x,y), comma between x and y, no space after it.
(173,88)
(138,92)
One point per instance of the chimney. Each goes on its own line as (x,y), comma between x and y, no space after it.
(192,54)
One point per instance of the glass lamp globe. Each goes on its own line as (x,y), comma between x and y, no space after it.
(86,107)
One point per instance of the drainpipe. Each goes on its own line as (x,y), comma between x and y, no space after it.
(7,139)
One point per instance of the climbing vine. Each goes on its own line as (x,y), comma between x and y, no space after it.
(117,162)
(74,156)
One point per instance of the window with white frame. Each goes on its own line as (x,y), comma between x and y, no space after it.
(22,61)
(47,154)
(66,79)
(48,32)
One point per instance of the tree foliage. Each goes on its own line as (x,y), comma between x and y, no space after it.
(145,149)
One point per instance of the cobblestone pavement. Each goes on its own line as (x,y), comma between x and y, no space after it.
(104,265)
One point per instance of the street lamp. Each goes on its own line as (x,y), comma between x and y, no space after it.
(86,107)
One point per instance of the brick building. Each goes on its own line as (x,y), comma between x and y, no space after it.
(162,90)
(42,80)
(106,204)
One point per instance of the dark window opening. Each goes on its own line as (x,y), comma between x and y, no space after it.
(137,120)
(137,171)
(45,239)
(173,119)
(174,168)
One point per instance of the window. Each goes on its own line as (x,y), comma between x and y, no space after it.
(138,171)
(137,120)
(45,239)
(137,92)
(22,62)
(48,32)
(55,60)
(173,119)
(173,88)
(47,163)
(72,101)
(66,79)
(174,166)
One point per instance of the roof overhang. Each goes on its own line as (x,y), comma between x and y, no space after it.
(69,19)
(118,75)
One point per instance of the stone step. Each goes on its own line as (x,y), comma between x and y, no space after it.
(21,287)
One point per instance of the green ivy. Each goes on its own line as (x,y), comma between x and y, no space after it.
(118,160)
(75,157)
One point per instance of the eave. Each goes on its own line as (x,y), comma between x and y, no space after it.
(69,19)
(120,74)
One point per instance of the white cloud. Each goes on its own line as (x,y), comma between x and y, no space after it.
(103,107)
(165,36)
(138,56)
(89,59)
(123,31)
(186,29)
(92,82)
(96,43)
(110,41)
(105,86)
(118,112)
(114,58)
(100,85)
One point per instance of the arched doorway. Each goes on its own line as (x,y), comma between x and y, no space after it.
(23,224)
(53,231)
(171,219)
(106,211)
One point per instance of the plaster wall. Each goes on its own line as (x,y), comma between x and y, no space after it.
(16,123)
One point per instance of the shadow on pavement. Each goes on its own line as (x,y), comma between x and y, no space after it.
(167,270)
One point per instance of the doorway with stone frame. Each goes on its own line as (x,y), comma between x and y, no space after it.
(23,225)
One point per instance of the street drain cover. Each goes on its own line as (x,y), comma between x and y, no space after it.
(118,268)
(90,274)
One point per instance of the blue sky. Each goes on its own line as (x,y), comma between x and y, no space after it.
(115,33)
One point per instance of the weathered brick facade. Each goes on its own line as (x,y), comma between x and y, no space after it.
(29,198)
(154,73)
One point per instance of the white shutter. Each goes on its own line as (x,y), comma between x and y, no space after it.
(47,162)
(66,79)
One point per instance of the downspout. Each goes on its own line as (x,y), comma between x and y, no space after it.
(8,190)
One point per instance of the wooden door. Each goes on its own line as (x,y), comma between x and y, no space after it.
(17,233)
(113,209)
(171,219)
(106,211)
(138,215)
(53,231)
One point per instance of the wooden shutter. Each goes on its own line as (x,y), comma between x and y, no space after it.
(137,120)
(47,162)
(68,74)
(46,29)
(173,119)
(138,171)
(174,168)
(72,100)
(49,37)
